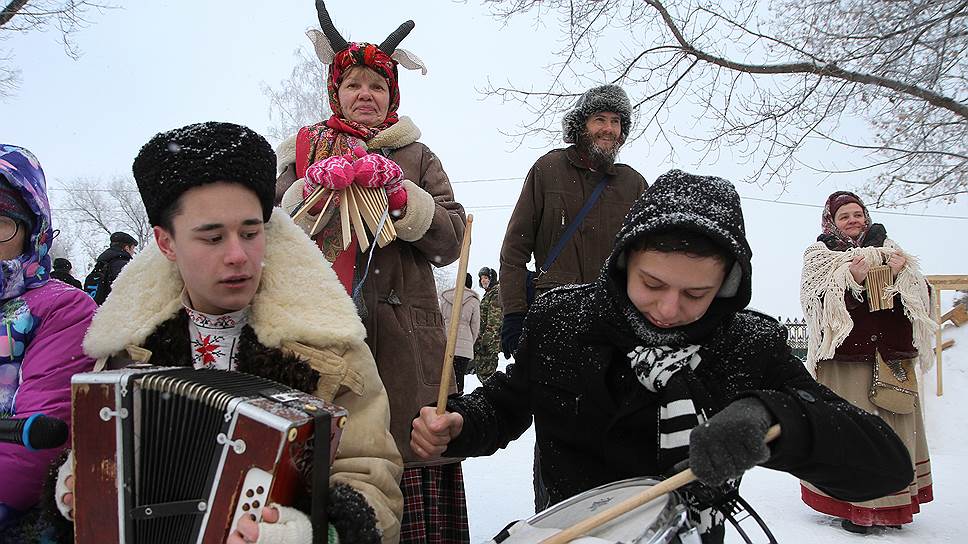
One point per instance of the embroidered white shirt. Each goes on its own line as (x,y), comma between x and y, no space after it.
(215,338)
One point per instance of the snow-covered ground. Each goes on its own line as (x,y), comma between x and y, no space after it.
(499,487)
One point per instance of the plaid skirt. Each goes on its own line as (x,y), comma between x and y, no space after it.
(434,507)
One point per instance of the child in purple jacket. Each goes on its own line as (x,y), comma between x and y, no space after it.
(42,325)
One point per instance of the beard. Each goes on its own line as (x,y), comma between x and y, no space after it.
(600,157)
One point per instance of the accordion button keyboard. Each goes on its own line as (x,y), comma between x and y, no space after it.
(254,494)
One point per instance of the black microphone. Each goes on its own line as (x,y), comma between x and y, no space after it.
(37,432)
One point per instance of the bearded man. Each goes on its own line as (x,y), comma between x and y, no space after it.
(559,185)
(571,206)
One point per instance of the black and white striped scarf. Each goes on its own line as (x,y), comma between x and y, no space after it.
(665,370)
(658,368)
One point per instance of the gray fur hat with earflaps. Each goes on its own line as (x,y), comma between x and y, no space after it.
(605,98)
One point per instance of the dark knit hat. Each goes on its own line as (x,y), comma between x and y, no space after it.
(12,203)
(490,273)
(175,161)
(121,239)
(605,98)
(61,263)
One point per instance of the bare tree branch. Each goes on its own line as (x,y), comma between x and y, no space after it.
(117,208)
(773,79)
(300,100)
(65,16)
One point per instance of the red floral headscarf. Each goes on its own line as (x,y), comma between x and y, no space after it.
(369,56)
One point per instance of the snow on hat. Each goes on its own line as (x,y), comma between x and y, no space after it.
(175,161)
(605,98)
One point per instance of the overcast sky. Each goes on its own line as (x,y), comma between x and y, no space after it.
(152,66)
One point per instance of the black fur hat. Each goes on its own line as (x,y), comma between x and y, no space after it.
(175,161)
(490,273)
(605,98)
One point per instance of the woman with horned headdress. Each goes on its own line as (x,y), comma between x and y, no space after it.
(366,143)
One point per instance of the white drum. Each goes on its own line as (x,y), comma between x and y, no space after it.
(659,521)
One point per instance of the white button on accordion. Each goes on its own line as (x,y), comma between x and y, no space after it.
(172,455)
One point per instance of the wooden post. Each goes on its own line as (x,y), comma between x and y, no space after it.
(937,350)
(448,367)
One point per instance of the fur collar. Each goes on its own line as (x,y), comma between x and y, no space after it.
(299,298)
(403,132)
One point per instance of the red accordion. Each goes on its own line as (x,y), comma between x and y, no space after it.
(178,455)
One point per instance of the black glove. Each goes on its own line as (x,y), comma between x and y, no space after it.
(511,332)
(731,442)
(351,516)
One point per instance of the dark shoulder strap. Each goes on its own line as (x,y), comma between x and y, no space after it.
(573,226)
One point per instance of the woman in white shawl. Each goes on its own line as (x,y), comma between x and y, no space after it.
(846,340)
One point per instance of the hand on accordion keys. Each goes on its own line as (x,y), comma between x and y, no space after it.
(351,519)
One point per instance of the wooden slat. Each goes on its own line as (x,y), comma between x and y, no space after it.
(958,315)
(948,281)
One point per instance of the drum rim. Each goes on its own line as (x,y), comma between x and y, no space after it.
(672,497)
(670,520)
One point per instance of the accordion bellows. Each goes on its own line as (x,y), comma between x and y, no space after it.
(179,455)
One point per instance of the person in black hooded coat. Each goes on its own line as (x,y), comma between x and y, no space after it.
(587,352)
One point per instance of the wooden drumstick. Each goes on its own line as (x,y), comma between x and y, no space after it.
(447,369)
(665,486)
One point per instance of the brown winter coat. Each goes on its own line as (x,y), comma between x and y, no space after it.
(553,193)
(404,326)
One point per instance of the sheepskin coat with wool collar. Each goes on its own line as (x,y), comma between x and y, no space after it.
(299,316)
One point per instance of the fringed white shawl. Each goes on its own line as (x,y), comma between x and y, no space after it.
(826,278)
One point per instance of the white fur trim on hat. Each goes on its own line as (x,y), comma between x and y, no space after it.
(420,213)
(293,527)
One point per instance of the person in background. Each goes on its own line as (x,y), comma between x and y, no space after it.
(468,327)
(487,347)
(108,265)
(848,342)
(555,190)
(62,272)
(559,186)
(43,325)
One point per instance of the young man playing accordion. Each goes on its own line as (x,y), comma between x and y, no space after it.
(233,284)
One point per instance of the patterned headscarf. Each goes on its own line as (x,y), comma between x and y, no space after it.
(21,171)
(370,56)
(832,236)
